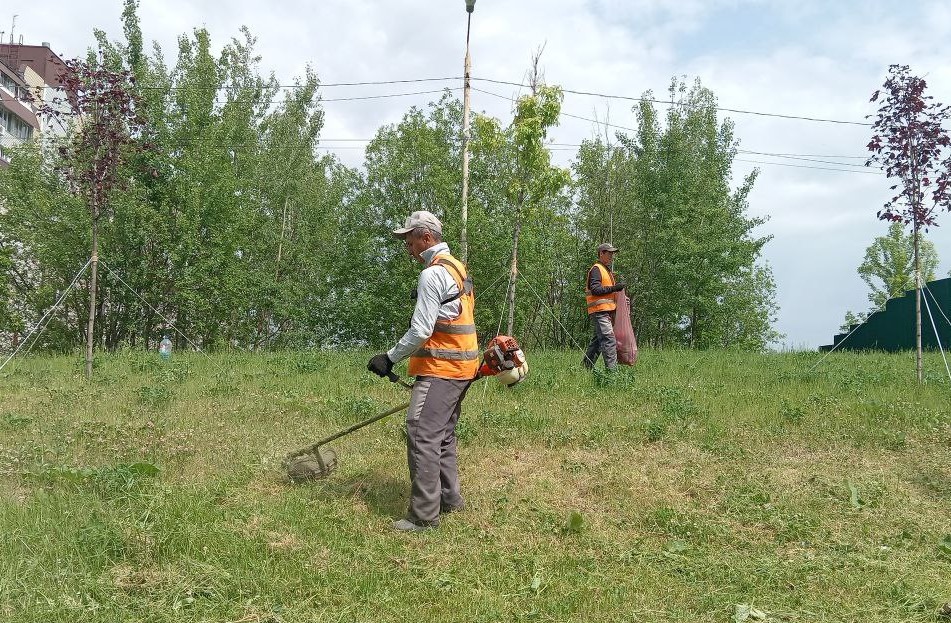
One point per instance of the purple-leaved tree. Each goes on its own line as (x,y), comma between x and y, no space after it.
(910,143)
(102,111)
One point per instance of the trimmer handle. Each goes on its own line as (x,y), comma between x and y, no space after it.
(396,379)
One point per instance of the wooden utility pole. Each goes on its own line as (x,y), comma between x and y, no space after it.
(467,74)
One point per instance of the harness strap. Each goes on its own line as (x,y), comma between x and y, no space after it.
(465,281)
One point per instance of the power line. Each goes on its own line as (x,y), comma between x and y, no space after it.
(493,81)
(672,103)
(621,127)
(321,100)
(320,85)
(563,113)
(379,82)
(793,156)
(373,97)
(554,145)
(14,140)
(797,157)
(551,147)
(811,155)
(211,142)
(805,166)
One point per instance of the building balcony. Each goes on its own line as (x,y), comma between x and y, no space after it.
(18,110)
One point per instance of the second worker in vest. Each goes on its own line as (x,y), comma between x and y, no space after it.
(600,291)
(443,353)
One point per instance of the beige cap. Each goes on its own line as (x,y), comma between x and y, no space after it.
(607,246)
(420,218)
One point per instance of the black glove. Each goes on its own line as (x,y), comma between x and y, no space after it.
(619,286)
(380,365)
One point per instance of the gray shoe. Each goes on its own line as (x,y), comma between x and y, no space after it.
(405,525)
(451,508)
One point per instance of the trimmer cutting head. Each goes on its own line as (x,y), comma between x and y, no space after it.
(315,462)
(312,466)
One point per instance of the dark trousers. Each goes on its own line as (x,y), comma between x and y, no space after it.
(434,410)
(603,342)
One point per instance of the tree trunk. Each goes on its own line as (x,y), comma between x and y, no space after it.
(280,243)
(91,326)
(918,366)
(693,326)
(264,318)
(554,299)
(147,327)
(916,209)
(513,274)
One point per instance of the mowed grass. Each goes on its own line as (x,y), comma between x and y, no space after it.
(693,484)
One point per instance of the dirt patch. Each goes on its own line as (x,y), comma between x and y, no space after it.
(282,541)
(131,579)
(13,493)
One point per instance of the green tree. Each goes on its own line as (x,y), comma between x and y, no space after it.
(8,321)
(236,233)
(690,253)
(533,184)
(228,229)
(414,164)
(889,265)
(523,214)
(107,128)
(889,269)
(911,144)
(45,231)
(852,319)
(411,165)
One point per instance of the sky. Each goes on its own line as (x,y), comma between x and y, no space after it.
(807,58)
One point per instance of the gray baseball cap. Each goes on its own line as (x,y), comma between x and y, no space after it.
(606,246)
(420,218)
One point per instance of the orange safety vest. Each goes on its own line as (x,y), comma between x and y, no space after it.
(605,302)
(452,351)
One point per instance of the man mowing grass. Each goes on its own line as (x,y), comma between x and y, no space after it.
(443,352)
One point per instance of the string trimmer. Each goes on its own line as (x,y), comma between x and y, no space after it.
(312,463)
(503,359)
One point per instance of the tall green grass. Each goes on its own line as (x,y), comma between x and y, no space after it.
(698,486)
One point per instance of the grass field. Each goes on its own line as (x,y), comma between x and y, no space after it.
(700,487)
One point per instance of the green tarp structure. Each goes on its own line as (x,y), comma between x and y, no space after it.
(893,328)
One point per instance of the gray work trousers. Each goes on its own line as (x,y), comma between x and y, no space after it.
(603,342)
(434,410)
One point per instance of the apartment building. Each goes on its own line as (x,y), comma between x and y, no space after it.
(29,74)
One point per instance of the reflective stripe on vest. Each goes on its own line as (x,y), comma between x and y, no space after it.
(603,302)
(452,351)
(448,355)
(455,329)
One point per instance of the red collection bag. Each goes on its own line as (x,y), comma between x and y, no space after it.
(624,332)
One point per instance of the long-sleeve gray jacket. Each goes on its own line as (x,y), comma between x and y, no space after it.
(594,283)
(435,286)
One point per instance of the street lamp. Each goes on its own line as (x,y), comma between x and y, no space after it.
(470,7)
